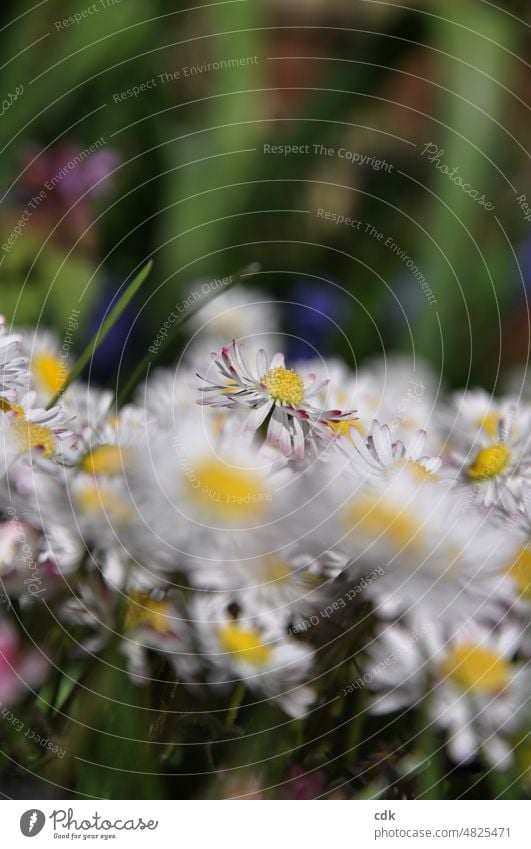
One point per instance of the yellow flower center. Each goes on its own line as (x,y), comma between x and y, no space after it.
(419,472)
(49,371)
(245,642)
(284,385)
(520,571)
(343,428)
(278,569)
(477,669)
(29,436)
(142,611)
(105,460)
(489,462)
(489,423)
(385,520)
(97,499)
(227,490)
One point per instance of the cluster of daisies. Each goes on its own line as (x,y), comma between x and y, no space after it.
(213,524)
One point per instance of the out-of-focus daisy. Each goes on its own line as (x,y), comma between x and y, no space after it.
(442,557)
(27,429)
(168,395)
(90,503)
(251,317)
(468,413)
(474,691)
(201,495)
(275,395)
(49,365)
(253,648)
(378,453)
(144,622)
(287,583)
(497,456)
(154,623)
(14,375)
(393,390)
(107,448)
(21,573)
(515,518)
(401,391)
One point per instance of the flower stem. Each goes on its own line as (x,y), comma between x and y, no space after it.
(235,704)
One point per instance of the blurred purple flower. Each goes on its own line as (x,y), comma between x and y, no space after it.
(312,316)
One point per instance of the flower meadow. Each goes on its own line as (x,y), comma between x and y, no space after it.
(261,578)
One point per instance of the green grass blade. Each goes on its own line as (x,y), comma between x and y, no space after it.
(104,330)
(123,394)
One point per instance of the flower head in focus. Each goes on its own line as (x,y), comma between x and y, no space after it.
(277,396)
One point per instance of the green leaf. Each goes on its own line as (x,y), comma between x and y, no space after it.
(104,330)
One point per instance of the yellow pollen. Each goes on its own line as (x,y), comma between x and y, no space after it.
(245,642)
(49,372)
(227,490)
(30,436)
(278,569)
(489,423)
(105,460)
(343,428)
(97,499)
(419,472)
(477,669)
(489,462)
(284,385)
(389,521)
(520,571)
(141,611)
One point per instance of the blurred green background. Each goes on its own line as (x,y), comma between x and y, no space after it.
(183,101)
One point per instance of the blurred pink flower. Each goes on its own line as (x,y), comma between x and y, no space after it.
(19,670)
(305,785)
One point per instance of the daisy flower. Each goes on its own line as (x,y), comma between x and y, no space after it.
(14,375)
(274,394)
(108,447)
(399,391)
(251,317)
(153,622)
(379,453)
(49,365)
(90,506)
(253,648)
(497,456)
(29,430)
(145,622)
(442,557)
(201,494)
(167,395)
(516,520)
(288,583)
(474,691)
(471,412)
(20,572)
